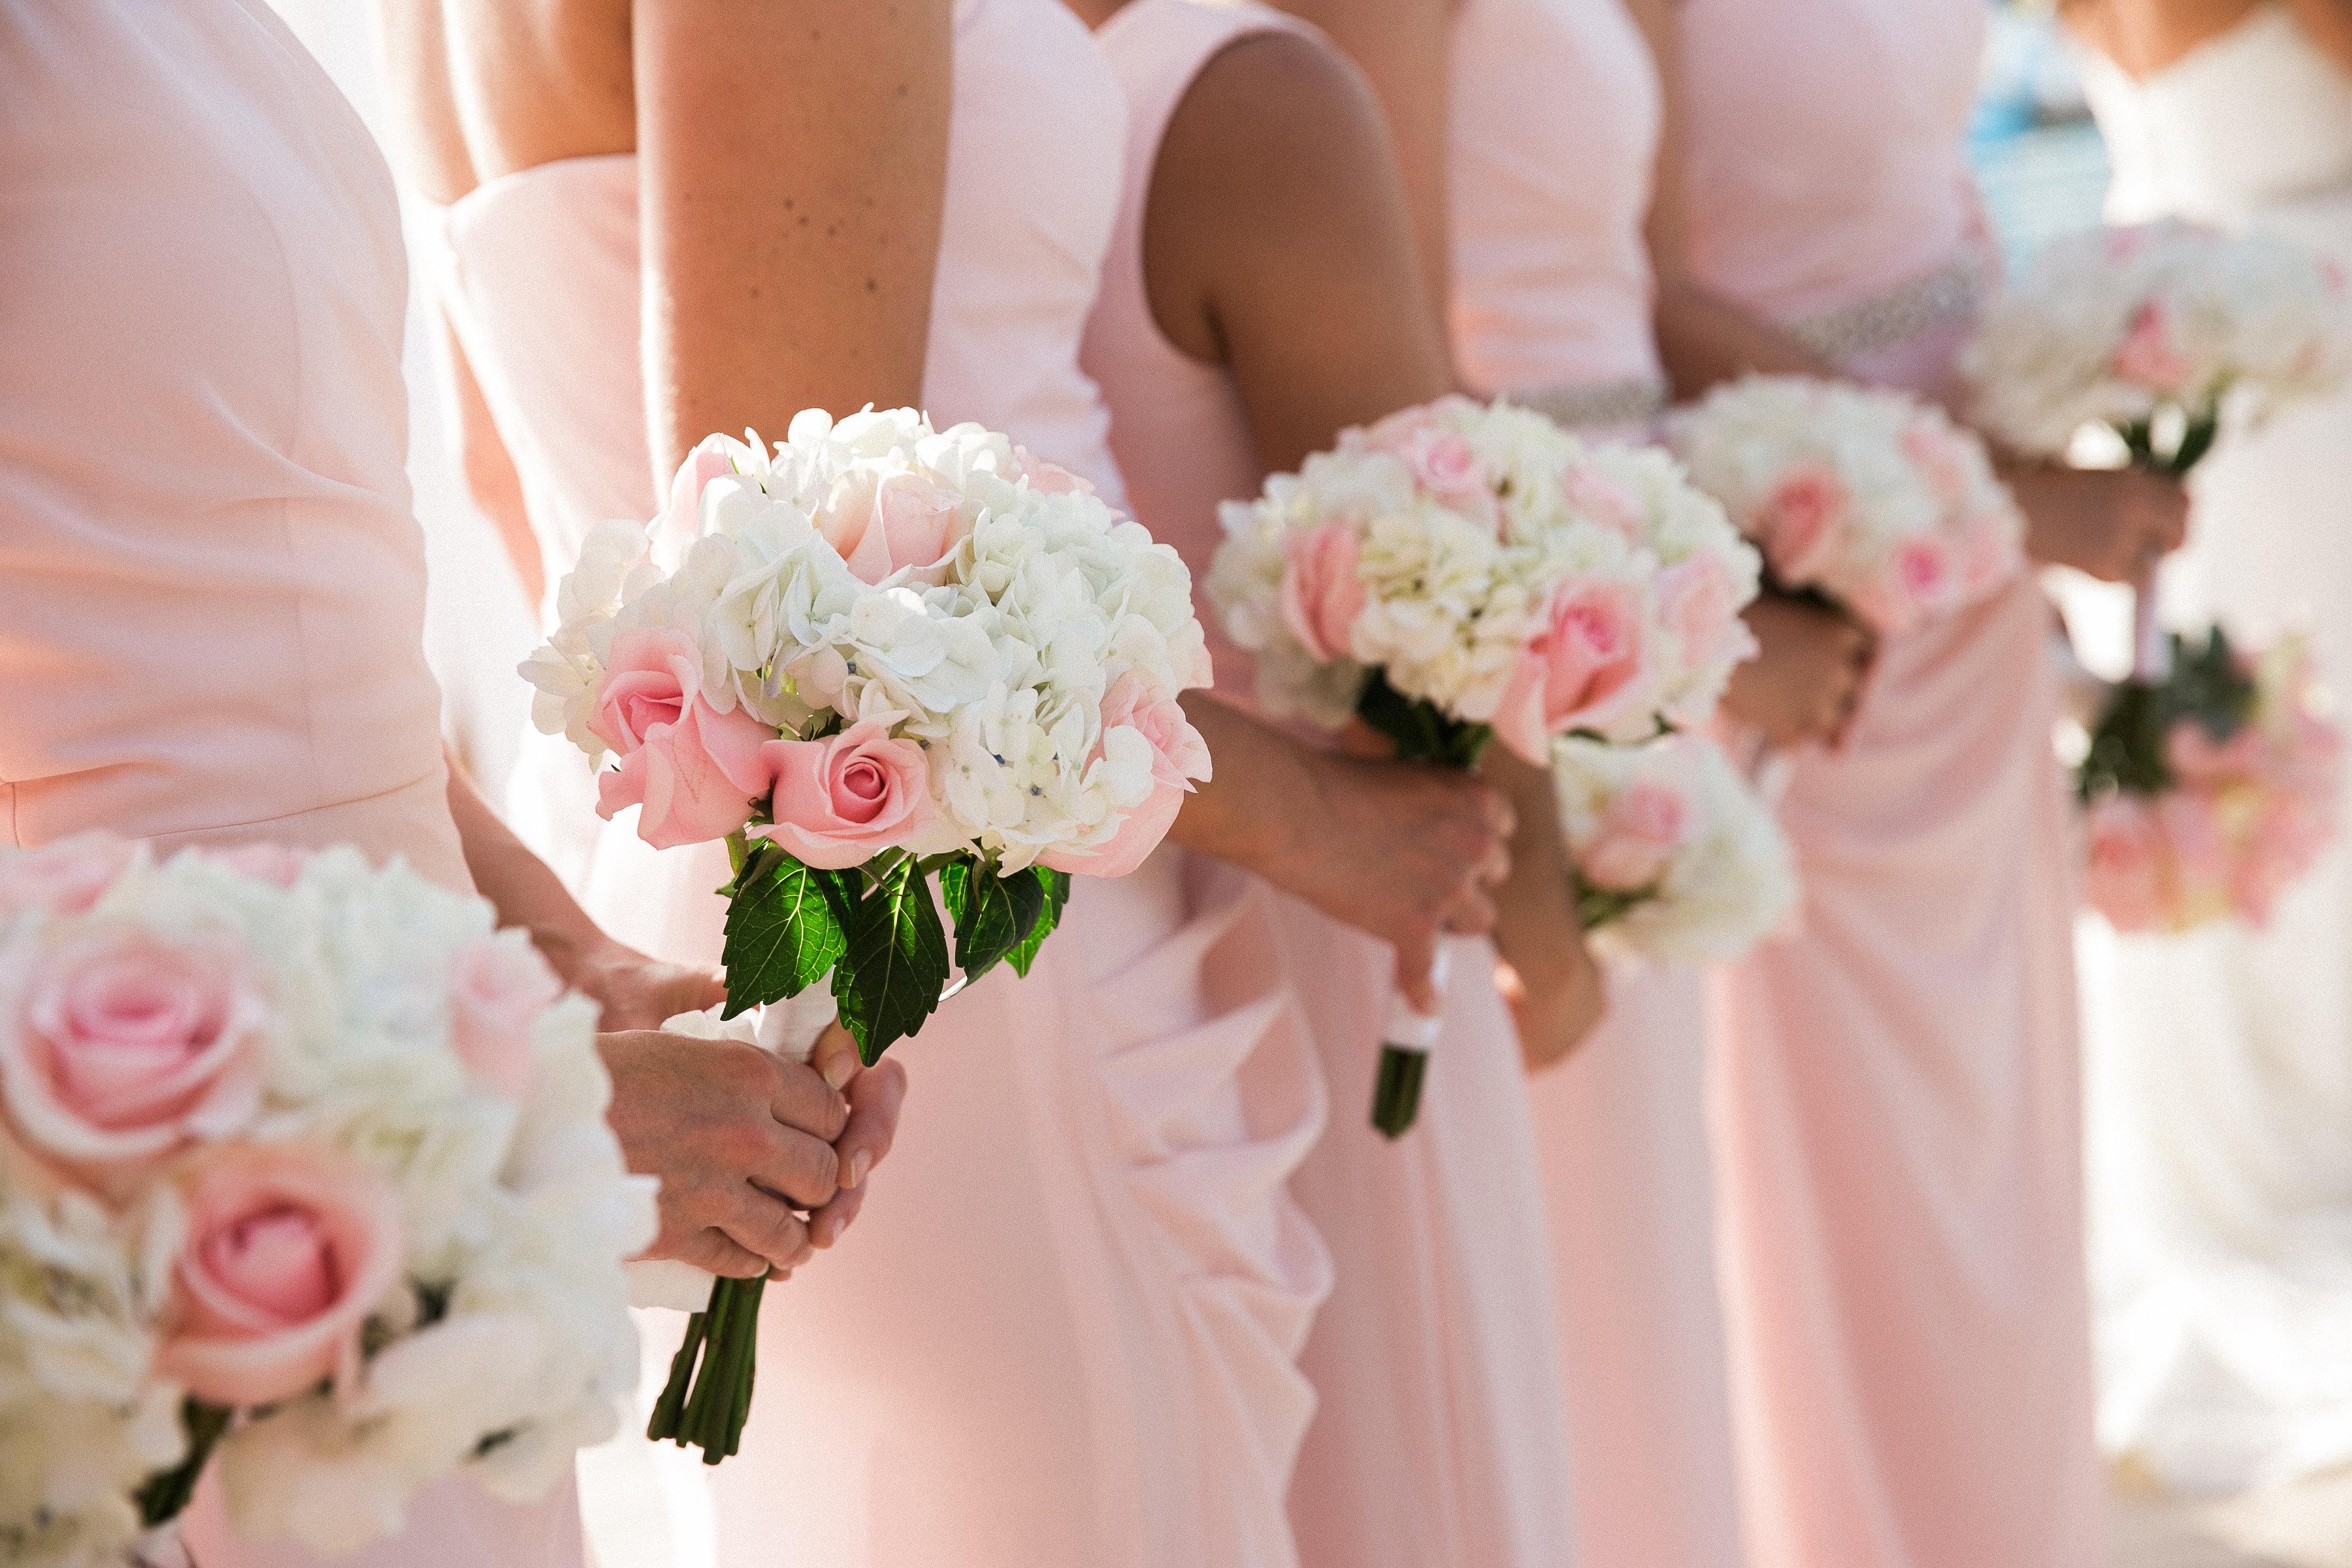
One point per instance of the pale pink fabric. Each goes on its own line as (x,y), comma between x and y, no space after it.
(1555,111)
(1896,1091)
(1556,122)
(1438,1436)
(1062,1332)
(211,584)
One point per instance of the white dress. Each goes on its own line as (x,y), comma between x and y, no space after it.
(2220,1063)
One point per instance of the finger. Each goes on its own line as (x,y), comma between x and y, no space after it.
(1493,866)
(1469,912)
(1414,959)
(1496,808)
(835,1056)
(800,1097)
(690,990)
(711,1250)
(876,1097)
(826,1225)
(794,1166)
(761,1223)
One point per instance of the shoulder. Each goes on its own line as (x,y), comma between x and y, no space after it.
(1275,115)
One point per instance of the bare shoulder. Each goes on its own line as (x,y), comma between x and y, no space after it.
(1280,134)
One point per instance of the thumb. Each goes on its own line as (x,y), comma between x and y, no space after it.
(1415,958)
(836,1057)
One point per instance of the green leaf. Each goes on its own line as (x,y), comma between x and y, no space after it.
(783,931)
(896,963)
(1054,890)
(993,914)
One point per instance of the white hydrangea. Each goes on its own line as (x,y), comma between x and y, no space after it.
(1724,875)
(996,658)
(2111,326)
(1432,545)
(506,1343)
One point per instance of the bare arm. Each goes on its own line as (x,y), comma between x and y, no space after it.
(792,166)
(1279,238)
(1402,46)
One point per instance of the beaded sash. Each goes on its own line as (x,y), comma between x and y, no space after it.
(1616,402)
(1951,293)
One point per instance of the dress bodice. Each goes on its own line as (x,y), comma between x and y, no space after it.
(1826,154)
(1032,188)
(2256,117)
(1554,110)
(211,582)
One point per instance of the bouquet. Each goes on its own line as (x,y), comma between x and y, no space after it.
(878,655)
(2209,790)
(1676,858)
(1866,498)
(1462,573)
(2153,332)
(304,1170)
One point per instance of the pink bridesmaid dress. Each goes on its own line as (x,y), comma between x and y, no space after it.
(1896,1091)
(1438,1436)
(1063,1330)
(1556,120)
(211,584)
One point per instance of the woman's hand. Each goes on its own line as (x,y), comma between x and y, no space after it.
(742,1141)
(634,992)
(2113,523)
(874,1094)
(1400,851)
(1548,975)
(1806,680)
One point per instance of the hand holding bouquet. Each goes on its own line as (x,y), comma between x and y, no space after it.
(2211,789)
(304,1170)
(1463,571)
(1868,498)
(1675,857)
(2154,332)
(880,654)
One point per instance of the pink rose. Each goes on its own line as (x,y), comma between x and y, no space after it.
(279,864)
(2198,854)
(681,523)
(1990,556)
(1605,500)
(118,1045)
(2123,879)
(1936,452)
(1444,465)
(693,770)
(880,524)
(2148,356)
(67,878)
(1321,594)
(1640,831)
(1587,659)
(497,989)
(1050,478)
(2196,756)
(1801,519)
(1179,755)
(843,800)
(287,1251)
(1698,602)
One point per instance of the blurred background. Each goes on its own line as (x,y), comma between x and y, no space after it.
(2043,170)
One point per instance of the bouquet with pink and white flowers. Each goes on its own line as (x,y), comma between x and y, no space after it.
(1464,571)
(2154,332)
(2211,789)
(1868,498)
(304,1170)
(880,654)
(1676,859)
